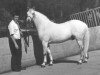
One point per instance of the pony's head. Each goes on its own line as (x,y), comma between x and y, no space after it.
(30,14)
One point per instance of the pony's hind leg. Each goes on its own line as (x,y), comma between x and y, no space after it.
(86,45)
(80,43)
(50,56)
(44,53)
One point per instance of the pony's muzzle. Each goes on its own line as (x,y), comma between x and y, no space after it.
(28,18)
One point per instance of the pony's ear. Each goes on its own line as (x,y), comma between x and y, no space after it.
(28,8)
(33,7)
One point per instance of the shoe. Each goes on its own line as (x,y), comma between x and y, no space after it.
(23,68)
(16,70)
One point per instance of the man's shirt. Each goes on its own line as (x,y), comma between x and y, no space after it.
(14,29)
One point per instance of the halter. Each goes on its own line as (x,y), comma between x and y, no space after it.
(32,15)
(29,17)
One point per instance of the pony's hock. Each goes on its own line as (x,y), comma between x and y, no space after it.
(50,32)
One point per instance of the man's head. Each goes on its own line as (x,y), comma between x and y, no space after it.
(16,17)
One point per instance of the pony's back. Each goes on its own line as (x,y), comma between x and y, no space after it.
(79,25)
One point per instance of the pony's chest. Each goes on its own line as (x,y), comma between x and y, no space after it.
(43,35)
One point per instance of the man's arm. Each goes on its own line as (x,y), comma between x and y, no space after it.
(11,31)
(15,43)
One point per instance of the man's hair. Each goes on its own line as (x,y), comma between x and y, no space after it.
(16,16)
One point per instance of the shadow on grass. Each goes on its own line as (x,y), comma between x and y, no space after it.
(65,61)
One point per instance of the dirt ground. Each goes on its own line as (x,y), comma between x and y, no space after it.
(67,66)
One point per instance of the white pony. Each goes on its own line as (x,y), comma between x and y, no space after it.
(50,32)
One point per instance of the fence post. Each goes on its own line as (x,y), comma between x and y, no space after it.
(94,17)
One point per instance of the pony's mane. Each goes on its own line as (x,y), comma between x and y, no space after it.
(42,16)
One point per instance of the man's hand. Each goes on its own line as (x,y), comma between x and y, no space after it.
(15,43)
(16,46)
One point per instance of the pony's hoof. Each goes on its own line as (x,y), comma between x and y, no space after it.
(50,64)
(42,66)
(80,62)
(85,62)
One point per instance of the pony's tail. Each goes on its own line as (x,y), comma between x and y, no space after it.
(86,42)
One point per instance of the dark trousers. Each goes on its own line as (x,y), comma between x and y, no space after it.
(16,54)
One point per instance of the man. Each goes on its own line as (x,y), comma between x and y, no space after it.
(15,44)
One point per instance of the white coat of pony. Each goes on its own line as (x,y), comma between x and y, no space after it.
(50,32)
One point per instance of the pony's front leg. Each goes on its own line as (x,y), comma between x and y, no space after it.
(50,55)
(44,53)
(44,60)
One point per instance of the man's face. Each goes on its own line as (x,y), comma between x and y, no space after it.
(16,18)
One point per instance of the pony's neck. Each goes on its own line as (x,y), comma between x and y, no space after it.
(40,19)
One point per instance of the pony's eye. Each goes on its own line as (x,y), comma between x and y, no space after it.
(32,13)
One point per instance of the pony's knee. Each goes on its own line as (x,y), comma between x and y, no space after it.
(49,51)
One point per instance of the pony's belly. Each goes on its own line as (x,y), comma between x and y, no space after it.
(60,39)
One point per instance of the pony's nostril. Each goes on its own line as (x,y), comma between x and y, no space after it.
(28,19)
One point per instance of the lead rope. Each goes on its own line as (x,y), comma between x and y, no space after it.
(26,44)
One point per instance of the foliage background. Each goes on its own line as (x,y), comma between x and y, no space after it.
(56,10)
